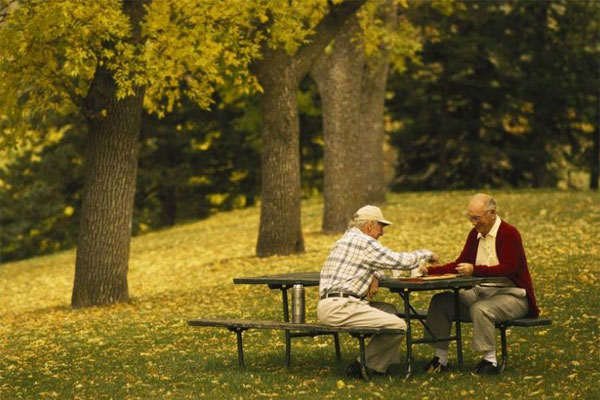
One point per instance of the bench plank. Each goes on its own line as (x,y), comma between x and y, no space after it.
(421,315)
(239,326)
(526,322)
(279,325)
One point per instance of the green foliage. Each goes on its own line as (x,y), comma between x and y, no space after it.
(311,138)
(192,163)
(195,162)
(40,196)
(401,40)
(145,350)
(49,55)
(505,95)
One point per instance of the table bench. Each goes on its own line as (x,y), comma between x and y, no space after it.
(404,288)
(239,326)
(421,315)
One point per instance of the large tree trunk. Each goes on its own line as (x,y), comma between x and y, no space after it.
(280,230)
(109,187)
(374,83)
(279,74)
(352,94)
(336,75)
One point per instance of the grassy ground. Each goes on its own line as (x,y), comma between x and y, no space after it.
(144,349)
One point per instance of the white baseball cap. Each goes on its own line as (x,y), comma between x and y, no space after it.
(370,213)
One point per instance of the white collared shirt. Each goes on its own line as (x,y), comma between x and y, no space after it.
(486,250)
(486,255)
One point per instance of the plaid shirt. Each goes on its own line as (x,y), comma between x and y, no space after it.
(356,257)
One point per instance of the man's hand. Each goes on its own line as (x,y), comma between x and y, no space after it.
(423,270)
(373,287)
(465,269)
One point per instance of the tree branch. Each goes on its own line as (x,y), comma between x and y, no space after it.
(324,33)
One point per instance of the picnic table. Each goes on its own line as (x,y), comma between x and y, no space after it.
(403,286)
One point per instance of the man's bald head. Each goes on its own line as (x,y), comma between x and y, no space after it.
(482,212)
(482,202)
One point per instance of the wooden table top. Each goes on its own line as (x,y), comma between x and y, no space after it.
(311,278)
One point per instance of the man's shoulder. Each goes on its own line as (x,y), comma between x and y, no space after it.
(508,230)
(506,227)
(353,235)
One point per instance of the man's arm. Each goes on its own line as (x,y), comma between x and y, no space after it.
(466,255)
(373,287)
(381,257)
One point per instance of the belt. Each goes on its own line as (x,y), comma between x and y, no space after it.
(339,294)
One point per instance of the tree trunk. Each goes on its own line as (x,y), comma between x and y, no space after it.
(340,90)
(280,230)
(109,187)
(372,98)
(374,84)
(353,95)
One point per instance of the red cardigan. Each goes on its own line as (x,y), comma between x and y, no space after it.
(511,255)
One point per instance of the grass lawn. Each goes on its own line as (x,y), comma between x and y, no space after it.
(145,350)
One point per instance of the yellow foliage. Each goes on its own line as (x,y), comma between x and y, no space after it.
(68,211)
(50,51)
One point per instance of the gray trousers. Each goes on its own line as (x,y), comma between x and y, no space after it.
(382,350)
(482,306)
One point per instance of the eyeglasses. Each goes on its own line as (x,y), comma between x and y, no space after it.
(476,218)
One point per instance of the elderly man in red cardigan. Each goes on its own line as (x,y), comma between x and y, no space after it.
(493,248)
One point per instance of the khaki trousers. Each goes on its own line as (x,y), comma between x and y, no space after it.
(482,306)
(382,350)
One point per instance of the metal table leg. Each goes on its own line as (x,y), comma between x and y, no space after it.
(406,297)
(504,348)
(286,318)
(338,352)
(240,345)
(363,358)
(458,330)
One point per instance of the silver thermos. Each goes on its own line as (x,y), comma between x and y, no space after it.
(298,315)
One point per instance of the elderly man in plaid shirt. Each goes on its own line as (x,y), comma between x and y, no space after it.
(351,273)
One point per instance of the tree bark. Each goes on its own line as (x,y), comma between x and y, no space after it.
(336,76)
(353,95)
(374,82)
(280,230)
(110,175)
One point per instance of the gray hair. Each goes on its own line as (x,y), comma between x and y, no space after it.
(357,223)
(492,205)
